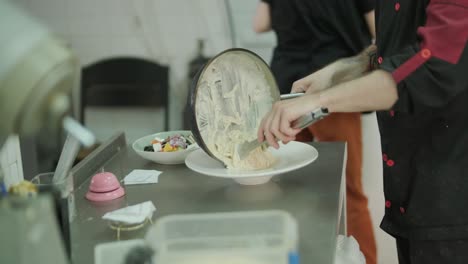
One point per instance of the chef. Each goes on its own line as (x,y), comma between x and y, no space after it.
(418,81)
(312,34)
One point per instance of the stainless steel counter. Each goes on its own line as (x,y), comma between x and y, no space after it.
(313,195)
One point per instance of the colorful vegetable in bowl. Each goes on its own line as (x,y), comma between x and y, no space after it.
(170,144)
(145,149)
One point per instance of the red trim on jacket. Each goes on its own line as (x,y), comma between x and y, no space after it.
(410,65)
(444,35)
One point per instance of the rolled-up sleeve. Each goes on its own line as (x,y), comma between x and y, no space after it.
(430,73)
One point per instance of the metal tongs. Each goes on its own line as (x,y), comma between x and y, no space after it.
(304,121)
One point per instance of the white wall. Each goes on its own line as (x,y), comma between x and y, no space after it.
(161,30)
(244,36)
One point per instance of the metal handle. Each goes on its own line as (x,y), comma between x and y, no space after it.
(307,120)
(304,121)
(290,96)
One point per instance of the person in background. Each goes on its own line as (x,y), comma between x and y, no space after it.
(417,80)
(310,35)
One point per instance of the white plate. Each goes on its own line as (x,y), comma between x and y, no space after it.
(291,156)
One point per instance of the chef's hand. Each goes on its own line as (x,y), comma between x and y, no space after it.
(277,124)
(315,82)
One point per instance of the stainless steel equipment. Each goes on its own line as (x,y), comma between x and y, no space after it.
(313,195)
(30,232)
(37,73)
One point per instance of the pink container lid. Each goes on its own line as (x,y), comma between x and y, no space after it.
(105,196)
(104,182)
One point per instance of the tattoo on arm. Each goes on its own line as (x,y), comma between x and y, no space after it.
(355,67)
(371,53)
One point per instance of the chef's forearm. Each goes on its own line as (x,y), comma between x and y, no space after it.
(370,21)
(348,69)
(375,91)
(262,18)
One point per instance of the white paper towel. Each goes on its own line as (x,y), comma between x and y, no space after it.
(134,214)
(348,252)
(142,177)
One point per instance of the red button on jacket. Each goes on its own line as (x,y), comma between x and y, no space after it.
(397,7)
(384,157)
(426,53)
(388,204)
(390,163)
(402,210)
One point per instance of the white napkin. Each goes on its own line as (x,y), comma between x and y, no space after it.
(134,214)
(348,252)
(142,177)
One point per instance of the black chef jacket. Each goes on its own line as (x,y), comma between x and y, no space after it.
(314,33)
(425,135)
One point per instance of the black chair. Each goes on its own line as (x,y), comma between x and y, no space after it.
(131,82)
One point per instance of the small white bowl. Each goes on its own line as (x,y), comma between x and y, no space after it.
(176,157)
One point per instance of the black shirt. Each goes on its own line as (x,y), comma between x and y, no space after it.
(320,30)
(425,135)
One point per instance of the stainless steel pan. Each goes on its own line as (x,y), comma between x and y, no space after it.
(230,95)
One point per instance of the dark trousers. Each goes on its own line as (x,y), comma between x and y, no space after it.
(432,252)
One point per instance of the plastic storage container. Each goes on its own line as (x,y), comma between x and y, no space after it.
(256,237)
(115,252)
